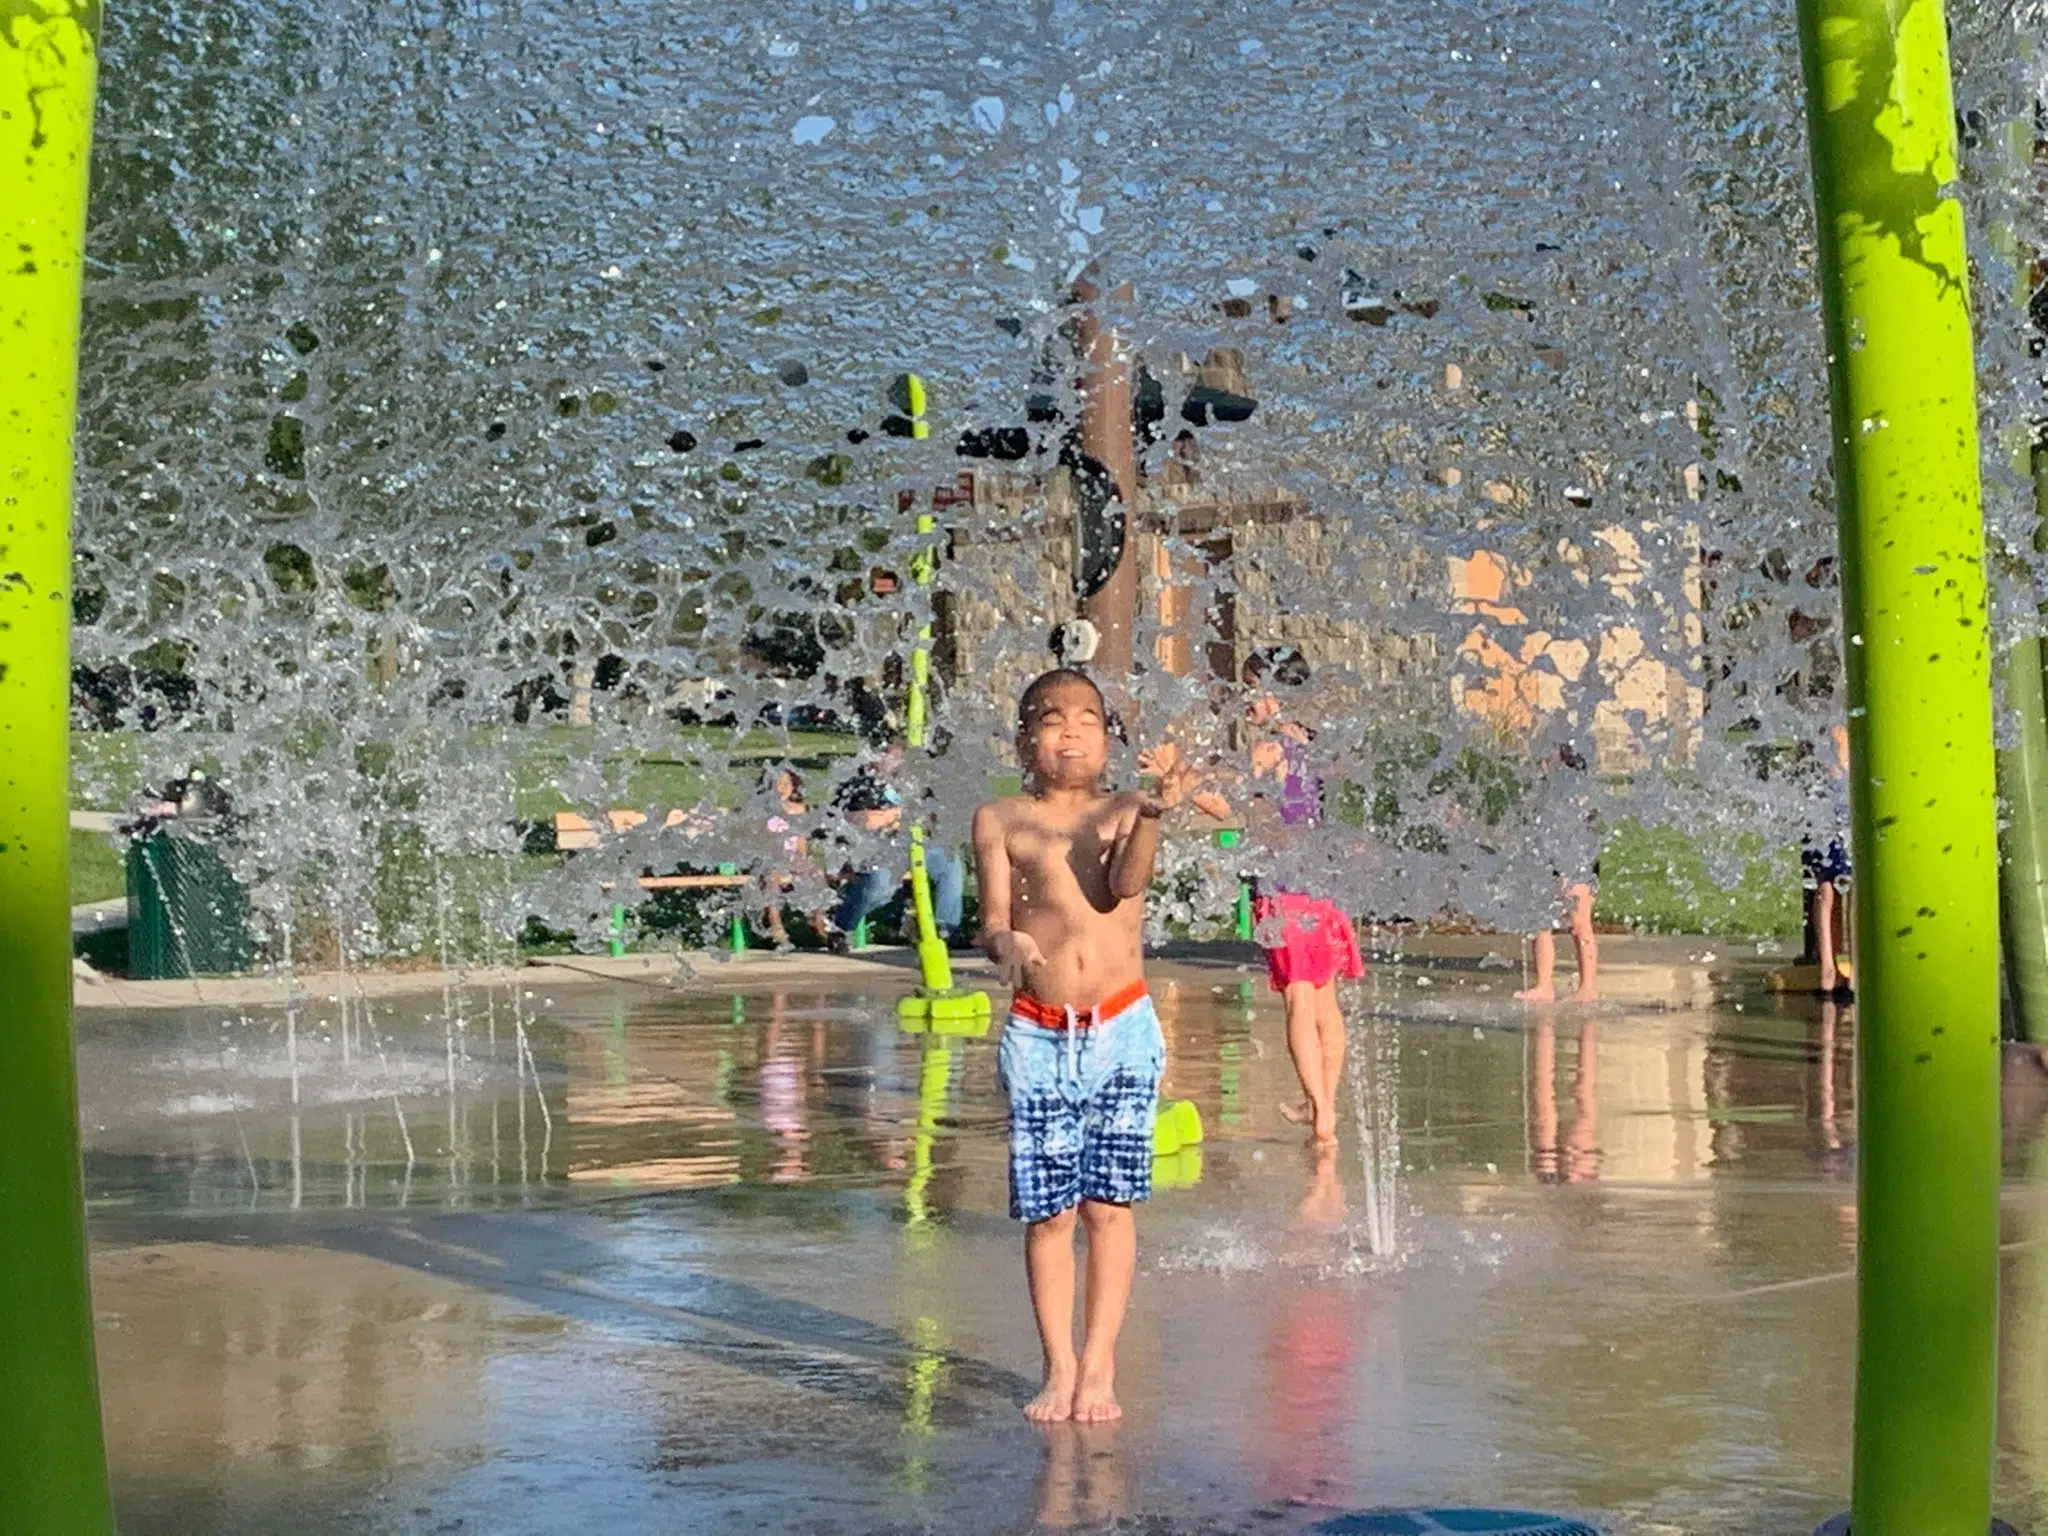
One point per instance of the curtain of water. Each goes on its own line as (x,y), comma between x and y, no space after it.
(478,394)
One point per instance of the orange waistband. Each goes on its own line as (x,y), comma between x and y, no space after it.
(1059,1016)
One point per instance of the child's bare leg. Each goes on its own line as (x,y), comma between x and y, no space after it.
(1586,942)
(1330,1026)
(1845,921)
(1824,933)
(1544,988)
(1112,1260)
(1305,1045)
(1049,1270)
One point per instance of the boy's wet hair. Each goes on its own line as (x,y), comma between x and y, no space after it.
(1035,692)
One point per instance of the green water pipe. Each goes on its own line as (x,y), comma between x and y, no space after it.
(738,930)
(1241,909)
(2023,865)
(53,1473)
(1882,135)
(2023,788)
(935,966)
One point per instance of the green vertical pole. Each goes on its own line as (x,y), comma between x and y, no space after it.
(2023,869)
(1241,911)
(739,915)
(935,966)
(53,1473)
(2023,788)
(1882,135)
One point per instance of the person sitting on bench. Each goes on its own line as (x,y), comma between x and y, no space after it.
(872,805)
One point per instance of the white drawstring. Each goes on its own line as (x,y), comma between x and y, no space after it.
(1073,1062)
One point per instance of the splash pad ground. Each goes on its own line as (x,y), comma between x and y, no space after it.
(1640,967)
(733,1256)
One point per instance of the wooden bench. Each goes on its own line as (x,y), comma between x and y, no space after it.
(573,831)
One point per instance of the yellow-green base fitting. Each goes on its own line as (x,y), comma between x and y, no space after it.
(1177,1126)
(1178,1170)
(1177,1146)
(944,1013)
(938,1007)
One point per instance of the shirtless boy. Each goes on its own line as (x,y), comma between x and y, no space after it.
(1063,869)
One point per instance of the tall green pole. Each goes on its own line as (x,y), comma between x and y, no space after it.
(53,1474)
(2023,787)
(1881,125)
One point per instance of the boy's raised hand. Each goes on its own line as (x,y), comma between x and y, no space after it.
(1157,760)
(1175,778)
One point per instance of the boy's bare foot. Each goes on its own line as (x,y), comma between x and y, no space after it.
(1586,995)
(1095,1398)
(1326,1126)
(1055,1400)
(1303,1113)
(1536,995)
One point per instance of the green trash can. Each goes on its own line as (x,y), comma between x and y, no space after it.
(187,916)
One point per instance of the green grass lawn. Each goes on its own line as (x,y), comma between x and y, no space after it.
(1655,879)
(703,763)
(97,872)
(106,769)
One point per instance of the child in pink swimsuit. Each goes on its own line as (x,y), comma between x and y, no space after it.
(1309,941)
(1307,938)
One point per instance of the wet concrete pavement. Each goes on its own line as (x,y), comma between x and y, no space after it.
(621,1257)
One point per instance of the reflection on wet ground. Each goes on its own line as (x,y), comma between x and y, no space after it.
(536,1262)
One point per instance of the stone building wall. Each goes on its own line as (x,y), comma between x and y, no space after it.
(1009,583)
(1381,629)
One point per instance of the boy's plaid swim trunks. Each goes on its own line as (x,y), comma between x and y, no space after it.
(1082,1102)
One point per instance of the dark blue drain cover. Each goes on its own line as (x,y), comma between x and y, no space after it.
(1453,1522)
